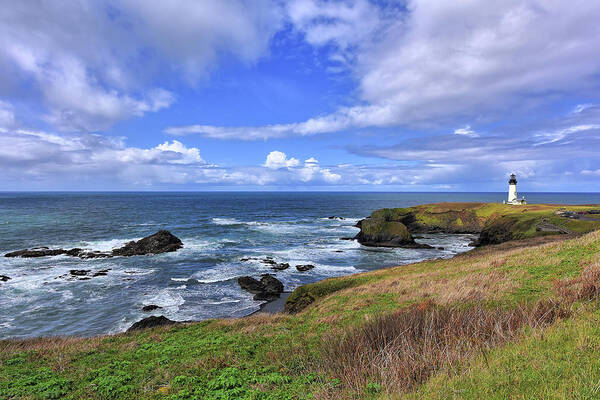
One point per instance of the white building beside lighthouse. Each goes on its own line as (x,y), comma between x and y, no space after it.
(512,192)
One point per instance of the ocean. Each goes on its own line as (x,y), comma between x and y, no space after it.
(198,282)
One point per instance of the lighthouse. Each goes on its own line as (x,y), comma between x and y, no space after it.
(512,188)
(512,192)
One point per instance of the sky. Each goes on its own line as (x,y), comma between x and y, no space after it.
(348,95)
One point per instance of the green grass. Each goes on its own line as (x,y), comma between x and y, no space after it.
(276,357)
(562,361)
(497,222)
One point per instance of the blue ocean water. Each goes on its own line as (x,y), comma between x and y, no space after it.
(198,281)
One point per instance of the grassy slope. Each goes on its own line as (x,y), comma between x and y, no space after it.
(275,357)
(558,362)
(473,217)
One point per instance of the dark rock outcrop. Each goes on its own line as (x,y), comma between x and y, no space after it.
(161,242)
(272,285)
(150,307)
(36,252)
(151,322)
(280,266)
(250,284)
(379,232)
(267,288)
(335,217)
(304,267)
(79,272)
(4,278)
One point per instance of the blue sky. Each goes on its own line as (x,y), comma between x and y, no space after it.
(420,95)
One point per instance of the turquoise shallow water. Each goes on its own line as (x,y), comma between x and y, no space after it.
(197,282)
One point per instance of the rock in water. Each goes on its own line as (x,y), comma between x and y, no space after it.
(150,307)
(79,272)
(280,266)
(271,285)
(41,252)
(385,233)
(304,267)
(268,288)
(151,322)
(161,242)
(4,278)
(250,284)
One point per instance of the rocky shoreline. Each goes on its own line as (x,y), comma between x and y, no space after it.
(266,287)
(494,223)
(383,228)
(161,242)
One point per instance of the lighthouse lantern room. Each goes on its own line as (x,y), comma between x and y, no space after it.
(512,192)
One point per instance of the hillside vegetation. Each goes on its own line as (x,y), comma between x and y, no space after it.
(496,223)
(516,320)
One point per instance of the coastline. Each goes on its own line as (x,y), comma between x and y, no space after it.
(273,306)
(273,352)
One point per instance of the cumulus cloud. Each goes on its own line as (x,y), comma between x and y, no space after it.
(440,60)
(35,159)
(94,62)
(183,154)
(277,159)
(308,172)
(311,169)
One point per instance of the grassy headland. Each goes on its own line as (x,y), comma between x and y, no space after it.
(496,223)
(518,319)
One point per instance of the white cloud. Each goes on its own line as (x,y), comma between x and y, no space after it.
(94,62)
(442,60)
(466,131)
(342,23)
(310,127)
(582,107)
(330,177)
(41,160)
(277,159)
(184,155)
(29,158)
(312,170)
(591,172)
(558,135)
(308,172)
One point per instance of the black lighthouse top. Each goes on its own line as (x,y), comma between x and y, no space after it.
(513,180)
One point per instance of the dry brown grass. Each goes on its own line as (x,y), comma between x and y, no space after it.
(585,287)
(403,349)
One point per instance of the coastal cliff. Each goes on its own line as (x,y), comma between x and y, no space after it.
(495,223)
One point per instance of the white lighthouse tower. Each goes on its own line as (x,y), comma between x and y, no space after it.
(512,188)
(512,192)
